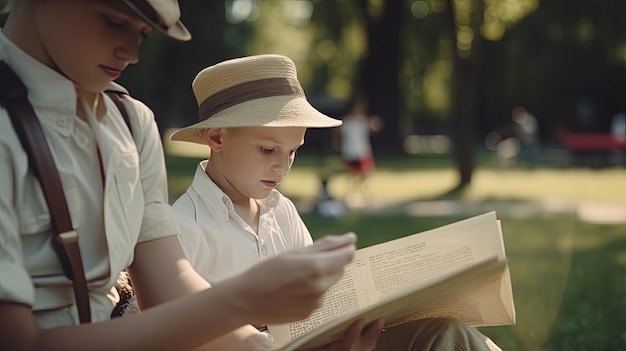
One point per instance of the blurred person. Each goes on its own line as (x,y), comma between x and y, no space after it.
(506,148)
(354,144)
(527,132)
(66,53)
(253,118)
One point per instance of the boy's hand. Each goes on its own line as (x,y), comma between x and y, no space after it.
(290,286)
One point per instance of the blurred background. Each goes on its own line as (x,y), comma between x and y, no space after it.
(513,106)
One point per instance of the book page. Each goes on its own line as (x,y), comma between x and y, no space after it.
(506,289)
(341,299)
(383,270)
(434,294)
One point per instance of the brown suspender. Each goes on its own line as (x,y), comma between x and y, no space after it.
(14,98)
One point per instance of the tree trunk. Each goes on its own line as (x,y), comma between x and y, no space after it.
(465,92)
(381,69)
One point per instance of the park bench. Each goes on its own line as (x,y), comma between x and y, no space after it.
(592,142)
(594,148)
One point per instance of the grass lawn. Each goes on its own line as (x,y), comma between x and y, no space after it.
(568,275)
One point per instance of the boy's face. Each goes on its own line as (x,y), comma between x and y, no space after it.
(252,161)
(91,42)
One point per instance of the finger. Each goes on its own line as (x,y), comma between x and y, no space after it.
(331,262)
(377,324)
(331,242)
(372,332)
(350,339)
(325,282)
(355,330)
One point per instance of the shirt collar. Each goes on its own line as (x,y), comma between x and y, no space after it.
(46,88)
(215,197)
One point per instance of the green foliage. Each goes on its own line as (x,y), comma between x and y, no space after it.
(545,55)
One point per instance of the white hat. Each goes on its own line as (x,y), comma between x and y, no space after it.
(253,91)
(162,15)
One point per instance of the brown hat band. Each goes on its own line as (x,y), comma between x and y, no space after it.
(255,89)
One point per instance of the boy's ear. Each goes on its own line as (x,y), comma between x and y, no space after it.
(213,138)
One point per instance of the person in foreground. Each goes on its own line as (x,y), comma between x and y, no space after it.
(253,118)
(67,52)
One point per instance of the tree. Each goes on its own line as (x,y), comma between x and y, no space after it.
(466,70)
(381,66)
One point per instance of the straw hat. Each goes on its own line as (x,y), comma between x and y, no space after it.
(162,15)
(253,91)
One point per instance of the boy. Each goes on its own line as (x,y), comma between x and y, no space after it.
(66,52)
(253,116)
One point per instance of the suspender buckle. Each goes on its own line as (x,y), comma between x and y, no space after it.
(68,237)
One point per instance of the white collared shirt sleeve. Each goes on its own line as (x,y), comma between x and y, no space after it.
(158,220)
(15,282)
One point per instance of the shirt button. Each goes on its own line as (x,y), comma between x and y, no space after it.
(263,249)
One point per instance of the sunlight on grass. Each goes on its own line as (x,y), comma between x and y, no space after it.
(385,186)
(571,186)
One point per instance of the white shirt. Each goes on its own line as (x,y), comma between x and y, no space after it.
(355,138)
(111,218)
(219,244)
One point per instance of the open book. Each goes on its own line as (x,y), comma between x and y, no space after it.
(458,270)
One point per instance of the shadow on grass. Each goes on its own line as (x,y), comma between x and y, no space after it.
(456,193)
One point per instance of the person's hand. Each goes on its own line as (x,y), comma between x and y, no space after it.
(290,286)
(359,337)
